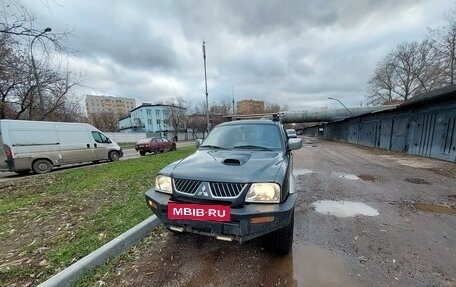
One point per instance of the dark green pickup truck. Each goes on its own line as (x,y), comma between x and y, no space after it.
(238,185)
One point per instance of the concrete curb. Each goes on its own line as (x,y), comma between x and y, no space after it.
(98,257)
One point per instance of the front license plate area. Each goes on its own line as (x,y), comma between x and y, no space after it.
(199,212)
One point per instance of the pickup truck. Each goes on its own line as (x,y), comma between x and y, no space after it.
(238,185)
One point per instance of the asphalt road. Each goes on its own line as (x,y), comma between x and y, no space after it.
(406,237)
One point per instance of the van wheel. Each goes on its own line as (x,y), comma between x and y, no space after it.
(281,241)
(142,152)
(113,156)
(42,166)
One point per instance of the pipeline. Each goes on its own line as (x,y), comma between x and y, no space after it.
(328,115)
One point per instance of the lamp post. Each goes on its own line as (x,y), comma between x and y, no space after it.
(342,105)
(205,82)
(34,69)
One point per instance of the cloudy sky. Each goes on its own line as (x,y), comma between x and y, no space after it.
(294,52)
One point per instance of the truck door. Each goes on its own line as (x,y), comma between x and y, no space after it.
(100,146)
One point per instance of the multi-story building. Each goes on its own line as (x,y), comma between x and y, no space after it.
(116,105)
(148,118)
(247,107)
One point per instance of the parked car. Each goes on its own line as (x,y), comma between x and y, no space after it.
(291,133)
(39,146)
(238,185)
(154,145)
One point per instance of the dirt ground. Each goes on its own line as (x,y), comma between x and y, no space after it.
(411,242)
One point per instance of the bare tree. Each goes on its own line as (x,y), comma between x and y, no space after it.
(444,39)
(411,68)
(20,98)
(177,115)
(105,121)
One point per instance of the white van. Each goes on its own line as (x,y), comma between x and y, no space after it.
(38,146)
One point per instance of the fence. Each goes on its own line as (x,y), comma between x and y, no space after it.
(134,137)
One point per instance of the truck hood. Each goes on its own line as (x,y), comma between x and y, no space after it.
(230,166)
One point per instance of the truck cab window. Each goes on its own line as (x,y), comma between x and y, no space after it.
(100,138)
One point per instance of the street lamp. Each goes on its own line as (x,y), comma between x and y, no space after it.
(34,69)
(342,105)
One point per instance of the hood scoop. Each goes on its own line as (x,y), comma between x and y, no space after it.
(231,161)
(236,159)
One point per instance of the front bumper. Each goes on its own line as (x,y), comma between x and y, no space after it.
(239,228)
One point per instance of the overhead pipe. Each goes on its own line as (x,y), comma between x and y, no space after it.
(329,115)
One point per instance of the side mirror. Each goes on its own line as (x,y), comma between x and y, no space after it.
(108,141)
(198,143)
(294,143)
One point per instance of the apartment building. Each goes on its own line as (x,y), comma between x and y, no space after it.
(117,105)
(247,107)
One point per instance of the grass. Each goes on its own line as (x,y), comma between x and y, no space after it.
(48,222)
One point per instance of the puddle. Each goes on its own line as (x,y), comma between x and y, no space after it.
(344,208)
(316,266)
(440,209)
(367,177)
(416,180)
(298,172)
(349,176)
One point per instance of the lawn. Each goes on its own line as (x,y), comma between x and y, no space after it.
(49,222)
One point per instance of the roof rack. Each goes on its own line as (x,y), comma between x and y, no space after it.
(269,116)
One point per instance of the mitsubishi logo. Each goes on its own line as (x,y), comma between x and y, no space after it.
(203,190)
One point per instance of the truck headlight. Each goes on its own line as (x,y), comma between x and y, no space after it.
(163,184)
(264,192)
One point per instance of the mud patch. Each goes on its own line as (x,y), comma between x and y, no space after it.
(432,208)
(416,180)
(298,172)
(367,177)
(316,266)
(344,208)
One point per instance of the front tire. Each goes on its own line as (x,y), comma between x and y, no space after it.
(281,240)
(41,166)
(113,156)
(142,152)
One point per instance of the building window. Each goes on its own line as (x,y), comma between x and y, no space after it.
(149,112)
(157,113)
(159,122)
(149,122)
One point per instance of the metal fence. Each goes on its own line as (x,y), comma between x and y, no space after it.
(427,130)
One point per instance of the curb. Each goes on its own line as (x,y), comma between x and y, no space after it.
(98,257)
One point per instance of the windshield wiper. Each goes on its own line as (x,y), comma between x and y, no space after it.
(213,146)
(252,147)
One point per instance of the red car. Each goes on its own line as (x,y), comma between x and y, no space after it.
(154,145)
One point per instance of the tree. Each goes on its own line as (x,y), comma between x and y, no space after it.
(18,86)
(444,40)
(105,121)
(410,69)
(177,115)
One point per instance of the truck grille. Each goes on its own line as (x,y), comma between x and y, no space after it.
(218,189)
(186,185)
(225,189)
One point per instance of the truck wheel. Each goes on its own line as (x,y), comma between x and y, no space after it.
(142,152)
(113,156)
(281,240)
(42,166)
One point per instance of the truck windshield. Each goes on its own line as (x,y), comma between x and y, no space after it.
(244,136)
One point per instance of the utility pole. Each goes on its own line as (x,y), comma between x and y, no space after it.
(205,82)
